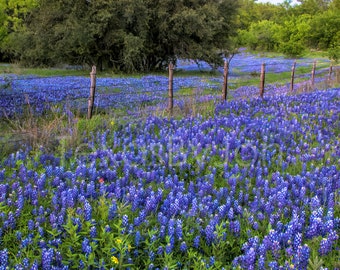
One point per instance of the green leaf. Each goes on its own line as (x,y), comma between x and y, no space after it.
(315,263)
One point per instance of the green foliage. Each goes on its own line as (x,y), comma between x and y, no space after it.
(13,13)
(262,35)
(334,53)
(325,30)
(315,263)
(292,48)
(3,17)
(292,30)
(312,6)
(125,35)
(87,126)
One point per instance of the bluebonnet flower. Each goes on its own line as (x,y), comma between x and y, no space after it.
(41,231)
(141,218)
(331,200)
(35,266)
(41,181)
(235,227)
(4,258)
(183,247)
(26,263)
(276,249)
(289,251)
(325,246)
(112,210)
(151,204)
(162,232)
(222,209)
(125,221)
(297,241)
(56,242)
(196,242)
(255,225)
(301,257)
(179,232)
(305,253)
(160,250)
(261,263)
(209,234)
(20,200)
(231,213)
(314,229)
(69,198)
(47,258)
(42,244)
(93,232)
(151,255)
(87,211)
(81,264)
(153,238)
(273,265)
(18,267)
(77,221)
(26,241)
(138,238)
(10,222)
(174,207)
(18,235)
(58,259)
(90,190)
(85,246)
(260,216)
(168,248)
(162,219)
(248,260)
(171,228)
(328,226)
(194,208)
(315,203)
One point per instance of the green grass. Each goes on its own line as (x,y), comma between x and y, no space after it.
(307,54)
(6,68)
(43,72)
(194,91)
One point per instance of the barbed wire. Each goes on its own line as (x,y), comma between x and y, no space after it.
(46,96)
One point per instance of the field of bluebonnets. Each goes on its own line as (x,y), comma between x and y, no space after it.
(255,185)
(41,94)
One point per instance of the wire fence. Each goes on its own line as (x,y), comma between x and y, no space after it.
(135,98)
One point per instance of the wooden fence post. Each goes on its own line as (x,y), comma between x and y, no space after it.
(313,73)
(92,92)
(292,79)
(170,90)
(262,79)
(225,81)
(330,74)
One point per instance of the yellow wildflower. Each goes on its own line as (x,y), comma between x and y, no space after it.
(118,241)
(114,260)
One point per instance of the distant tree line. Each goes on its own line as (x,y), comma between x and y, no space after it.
(291,29)
(145,35)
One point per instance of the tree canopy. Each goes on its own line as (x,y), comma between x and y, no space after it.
(128,35)
(145,35)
